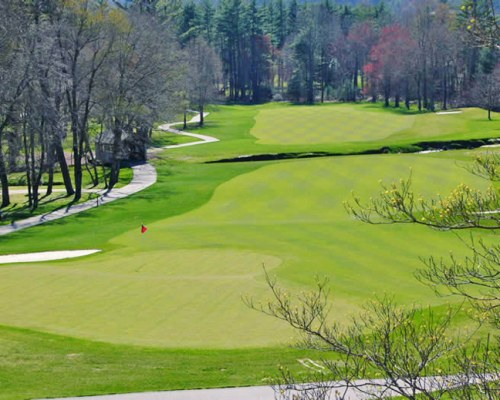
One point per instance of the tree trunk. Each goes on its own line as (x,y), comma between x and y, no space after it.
(117,143)
(426,102)
(184,126)
(50,182)
(77,166)
(489,113)
(387,92)
(396,101)
(355,80)
(89,156)
(27,164)
(61,159)
(4,181)
(202,120)
(419,93)
(430,103)
(37,169)
(51,157)
(445,93)
(115,174)
(407,95)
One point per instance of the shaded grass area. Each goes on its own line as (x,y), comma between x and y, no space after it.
(34,364)
(20,209)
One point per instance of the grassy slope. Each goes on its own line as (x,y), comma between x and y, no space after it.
(217,241)
(182,282)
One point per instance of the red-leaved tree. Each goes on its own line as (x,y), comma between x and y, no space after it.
(391,58)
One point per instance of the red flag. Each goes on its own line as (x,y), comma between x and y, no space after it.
(143,228)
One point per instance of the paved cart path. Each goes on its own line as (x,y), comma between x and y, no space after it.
(370,389)
(144,176)
(203,138)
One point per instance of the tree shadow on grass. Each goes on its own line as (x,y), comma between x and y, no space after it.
(396,110)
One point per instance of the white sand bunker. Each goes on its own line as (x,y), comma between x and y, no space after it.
(44,256)
(448,112)
(429,151)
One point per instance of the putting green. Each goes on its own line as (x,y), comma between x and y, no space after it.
(339,123)
(154,298)
(326,124)
(180,284)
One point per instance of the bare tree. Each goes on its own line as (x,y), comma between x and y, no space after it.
(475,278)
(486,90)
(14,77)
(84,46)
(204,72)
(139,80)
(401,349)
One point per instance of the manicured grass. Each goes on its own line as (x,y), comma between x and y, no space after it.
(37,365)
(162,138)
(179,286)
(327,124)
(337,128)
(337,123)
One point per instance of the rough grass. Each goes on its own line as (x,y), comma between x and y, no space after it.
(37,365)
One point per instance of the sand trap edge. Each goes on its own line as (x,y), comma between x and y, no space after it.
(45,256)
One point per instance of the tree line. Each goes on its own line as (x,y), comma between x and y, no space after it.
(67,66)
(416,51)
(71,67)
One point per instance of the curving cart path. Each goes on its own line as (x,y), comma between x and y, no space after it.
(203,138)
(144,176)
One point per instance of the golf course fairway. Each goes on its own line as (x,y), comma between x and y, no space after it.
(165,309)
(181,284)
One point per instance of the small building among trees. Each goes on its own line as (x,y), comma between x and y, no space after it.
(132,147)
